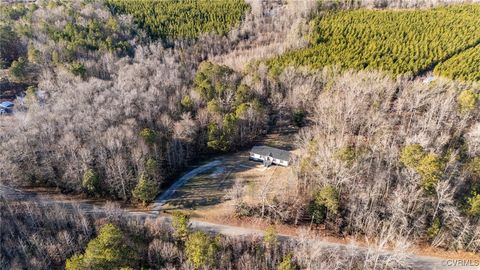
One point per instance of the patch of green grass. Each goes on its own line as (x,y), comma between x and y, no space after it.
(201,191)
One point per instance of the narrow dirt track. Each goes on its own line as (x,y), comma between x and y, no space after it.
(165,196)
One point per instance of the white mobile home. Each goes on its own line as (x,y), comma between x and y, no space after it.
(270,155)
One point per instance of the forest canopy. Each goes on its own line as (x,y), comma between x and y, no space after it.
(398,42)
(119,98)
(463,66)
(166,19)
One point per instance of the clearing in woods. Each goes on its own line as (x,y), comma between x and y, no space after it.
(208,194)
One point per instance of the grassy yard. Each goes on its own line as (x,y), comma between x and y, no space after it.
(206,195)
(204,190)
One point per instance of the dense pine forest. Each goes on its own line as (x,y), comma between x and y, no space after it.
(114,100)
(462,66)
(399,42)
(182,19)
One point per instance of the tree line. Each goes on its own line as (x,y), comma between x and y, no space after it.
(397,42)
(182,19)
(463,66)
(66,237)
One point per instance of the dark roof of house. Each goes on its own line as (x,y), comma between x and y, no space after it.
(271,151)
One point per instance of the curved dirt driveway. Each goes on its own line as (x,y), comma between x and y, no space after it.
(165,196)
(417,262)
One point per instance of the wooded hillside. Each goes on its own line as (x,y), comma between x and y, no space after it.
(122,96)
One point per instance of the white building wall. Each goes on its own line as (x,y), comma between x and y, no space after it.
(274,161)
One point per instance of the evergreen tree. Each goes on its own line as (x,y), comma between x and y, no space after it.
(151,170)
(411,155)
(78,69)
(18,70)
(30,96)
(317,212)
(434,229)
(91,181)
(467,100)
(328,196)
(181,224)
(473,166)
(327,199)
(148,135)
(107,251)
(474,205)
(271,236)
(299,118)
(430,169)
(346,154)
(201,249)
(286,263)
(187,103)
(146,190)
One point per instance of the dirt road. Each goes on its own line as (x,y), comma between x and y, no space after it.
(418,262)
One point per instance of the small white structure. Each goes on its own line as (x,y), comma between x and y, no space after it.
(270,155)
(429,79)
